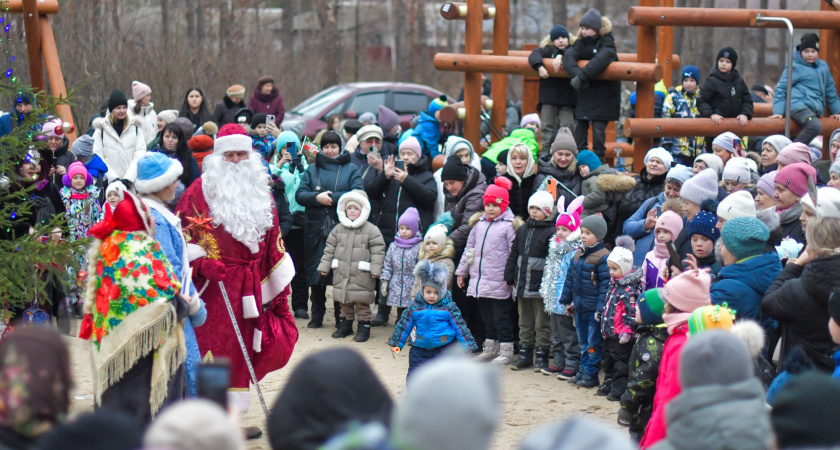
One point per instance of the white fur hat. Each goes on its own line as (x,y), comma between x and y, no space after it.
(622,254)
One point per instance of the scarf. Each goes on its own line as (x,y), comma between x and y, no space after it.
(660,249)
(673,320)
(407,243)
(76,195)
(791,214)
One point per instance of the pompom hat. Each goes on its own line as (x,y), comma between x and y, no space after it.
(498,193)
(705,224)
(622,254)
(232,138)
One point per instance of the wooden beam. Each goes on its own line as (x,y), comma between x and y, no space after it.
(530,87)
(651,128)
(665,47)
(501,39)
(472,80)
(43,6)
(646,50)
(33,45)
(458,11)
(622,57)
(518,65)
(53,66)
(729,18)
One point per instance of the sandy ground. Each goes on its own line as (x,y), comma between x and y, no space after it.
(528,399)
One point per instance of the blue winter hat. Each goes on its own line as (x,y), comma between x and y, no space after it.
(745,237)
(437,104)
(156,171)
(704,224)
(588,159)
(558,31)
(287,137)
(691,72)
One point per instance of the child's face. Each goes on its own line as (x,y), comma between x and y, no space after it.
(405,232)
(492,210)
(733,186)
(663,235)
(702,246)
(561,42)
(584,170)
(519,163)
(587,32)
(615,271)
(810,55)
(430,294)
(113,198)
(78,182)
(501,168)
(431,247)
(463,155)
(806,216)
(724,65)
(563,233)
(353,212)
(261,130)
(536,213)
(587,238)
(699,166)
(689,84)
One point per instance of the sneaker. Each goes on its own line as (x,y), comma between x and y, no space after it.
(566,374)
(590,383)
(551,370)
(574,380)
(605,388)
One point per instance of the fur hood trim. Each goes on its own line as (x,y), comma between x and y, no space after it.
(518,222)
(546,41)
(769,218)
(610,182)
(633,277)
(359,197)
(606,28)
(448,251)
(751,334)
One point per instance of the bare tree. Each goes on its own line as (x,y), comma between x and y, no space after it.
(560,12)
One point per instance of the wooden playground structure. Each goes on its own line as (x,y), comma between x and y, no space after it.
(653,61)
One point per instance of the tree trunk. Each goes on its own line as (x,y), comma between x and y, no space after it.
(164,22)
(760,63)
(224,18)
(601,5)
(357,41)
(189,13)
(199,24)
(421,50)
(679,33)
(287,34)
(330,36)
(708,51)
(560,12)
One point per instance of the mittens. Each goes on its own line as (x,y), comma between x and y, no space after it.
(211,269)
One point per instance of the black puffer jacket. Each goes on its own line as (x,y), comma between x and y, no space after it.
(468,202)
(600,100)
(519,194)
(570,178)
(226,110)
(553,90)
(637,400)
(418,190)
(524,268)
(798,300)
(62,157)
(725,94)
(368,175)
(646,187)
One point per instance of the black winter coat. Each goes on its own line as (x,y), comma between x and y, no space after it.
(337,175)
(726,95)
(368,175)
(524,268)
(553,90)
(62,157)
(646,187)
(520,193)
(418,190)
(284,214)
(798,300)
(570,178)
(601,100)
(226,110)
(468,202)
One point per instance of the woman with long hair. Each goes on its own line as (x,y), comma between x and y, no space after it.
(195,107)
(174,145)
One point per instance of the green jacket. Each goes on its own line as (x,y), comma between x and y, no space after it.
(517,136)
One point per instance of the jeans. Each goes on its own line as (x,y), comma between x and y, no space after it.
(533,323)
(565,342)
(810,123)
(589,336)
(498,318)
(550,116)
(599,136)
(418,356)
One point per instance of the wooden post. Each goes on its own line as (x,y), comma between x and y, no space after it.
(472,80)
(646,52)
(665,47)
(830,53)
(33,45)
(530,88)
(501,40)
(53,66)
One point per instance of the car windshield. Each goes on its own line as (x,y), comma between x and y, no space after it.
(312,106)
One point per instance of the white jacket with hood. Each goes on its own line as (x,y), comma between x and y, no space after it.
(119,152)
(148,116)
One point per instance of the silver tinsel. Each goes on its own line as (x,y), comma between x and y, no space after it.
(560,255)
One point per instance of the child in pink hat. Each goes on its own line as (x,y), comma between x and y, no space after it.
(81,208)
(668,227)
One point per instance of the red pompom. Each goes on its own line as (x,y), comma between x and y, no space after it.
(503,182)
(230,129)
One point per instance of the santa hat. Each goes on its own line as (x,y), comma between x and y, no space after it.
(498,193)
(544,201)
(232,138)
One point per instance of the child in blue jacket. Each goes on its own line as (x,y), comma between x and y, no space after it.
(585,294)
(427,130)
(812,87)
(433,321)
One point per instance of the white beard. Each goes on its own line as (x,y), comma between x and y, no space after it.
(239,197)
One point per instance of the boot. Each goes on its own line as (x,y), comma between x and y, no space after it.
(344,329)
(491,350)
(605,388)
(541,361)
(526,359)
(316,322)
(383,313)
(505,354)
(362,331)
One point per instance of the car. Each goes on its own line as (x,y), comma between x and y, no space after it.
(350,100)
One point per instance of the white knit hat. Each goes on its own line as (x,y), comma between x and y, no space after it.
(828,202)
(436,234)
(660,154)
(544,201)
(738,170)
(712,161)
(622,257)
(736,204)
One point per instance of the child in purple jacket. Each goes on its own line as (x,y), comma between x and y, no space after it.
(398,270)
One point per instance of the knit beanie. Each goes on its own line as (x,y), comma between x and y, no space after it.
(728,53)
(705,224)
(651,306)
(670,221)
(777,141)
(411,143)
(730,142)
(834,304)
(235,90)
(502,158)
(437,104)
(738,170)
(139,90)
(116,99)
(828,203)
(809,40)
(200,143)
(796,152)
(795,177)
(117,187)
(453,170)
(258,119)
(168,115)
(564,140)
(744,237)
(712,161)
(592,19)
(805,412)
(498,193)
(433,275)
(701,187)
(835,136)
(265,79)
(691,72)
(660,154)
(193,424)
(284,139)
(156,171)
(716,357)
(588,159)
(558,31)
(679,173)
(765,183)
(736,204)
(530,118)
(622,255)
(368,117)
(369,131)
(436,234)
(83,147)
(411,219)
(77,168)
(544,201)
(596,225)
(712,317)
(386,118)
(688,290)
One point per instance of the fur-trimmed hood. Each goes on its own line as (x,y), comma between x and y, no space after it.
(606,28)
(359,197)
(614,182)
(546,40)
(448,251)
(517,221)
(633,277)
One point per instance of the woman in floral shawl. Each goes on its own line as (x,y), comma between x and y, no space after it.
(132,314)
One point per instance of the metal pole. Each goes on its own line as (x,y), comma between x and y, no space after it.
(786,21)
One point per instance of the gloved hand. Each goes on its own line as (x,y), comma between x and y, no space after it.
(598,315)
(577,83)
(211,269)
(383,289)
(624,338)
(296,163)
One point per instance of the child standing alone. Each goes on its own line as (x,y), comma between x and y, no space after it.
(725,94)
(398,270)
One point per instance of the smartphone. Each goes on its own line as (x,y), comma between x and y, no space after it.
(551,187)
(374,150)
(214,381)
(269,119)
(400,164)
(290,147)
(674,255)
(659,210)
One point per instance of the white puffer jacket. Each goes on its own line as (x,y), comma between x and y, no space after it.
(148,115)
(119,152)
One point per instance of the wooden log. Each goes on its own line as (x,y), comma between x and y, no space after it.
(622,57)
(42,6)
(665,47)
(646,49)
(455,111)
(728,18)
(53,66)
(651,128)
(472,80)
(517,65)
(530,87)
(499,87)
(458,11)
(33,44)
(762,110)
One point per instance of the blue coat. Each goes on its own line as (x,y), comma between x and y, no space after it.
(812,87)
(634,227)
(588,279)
(428,133)
(432,326)
(742,285)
